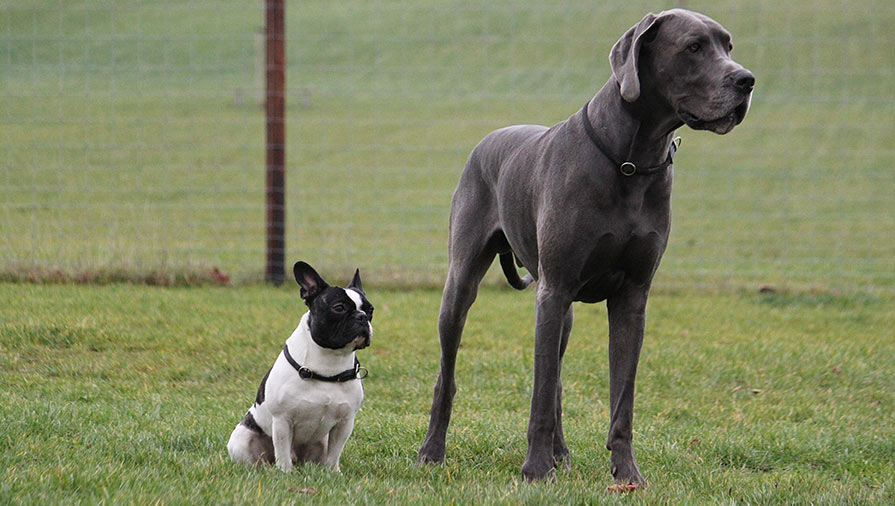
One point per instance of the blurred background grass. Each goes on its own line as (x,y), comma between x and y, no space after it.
(132,135)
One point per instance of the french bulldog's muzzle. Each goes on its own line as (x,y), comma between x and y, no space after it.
(363,329)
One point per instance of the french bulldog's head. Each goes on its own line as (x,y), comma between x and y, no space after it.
(339,317)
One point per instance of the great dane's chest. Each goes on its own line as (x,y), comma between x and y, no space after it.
(612,241)
(617,257)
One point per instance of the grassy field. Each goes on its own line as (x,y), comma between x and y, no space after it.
(127,394)
(131,147)
(133,142)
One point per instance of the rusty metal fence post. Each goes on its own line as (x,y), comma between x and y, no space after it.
(275,112)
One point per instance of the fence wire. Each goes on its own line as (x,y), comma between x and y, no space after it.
(132,139)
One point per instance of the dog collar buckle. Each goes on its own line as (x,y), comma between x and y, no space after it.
(627,169)
(357,372)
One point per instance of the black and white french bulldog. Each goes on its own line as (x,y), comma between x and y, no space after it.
(305,407)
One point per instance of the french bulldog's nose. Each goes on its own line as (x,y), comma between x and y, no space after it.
(360,316)
(743,79)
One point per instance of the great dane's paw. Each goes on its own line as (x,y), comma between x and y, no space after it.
(562,459)
(428,455)
(624,470)
(532,471)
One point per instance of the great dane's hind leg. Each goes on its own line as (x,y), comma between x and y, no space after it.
(561,455)
(460,291)
(627,318)
(551,311)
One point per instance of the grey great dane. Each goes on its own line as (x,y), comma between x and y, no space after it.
(584,206)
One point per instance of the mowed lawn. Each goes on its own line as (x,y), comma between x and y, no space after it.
(127,394)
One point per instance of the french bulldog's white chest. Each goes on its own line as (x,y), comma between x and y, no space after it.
(314,407)
(315,411)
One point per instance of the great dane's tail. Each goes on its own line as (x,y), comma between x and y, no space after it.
(509,270)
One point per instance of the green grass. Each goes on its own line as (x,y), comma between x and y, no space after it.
(127,394)
(132,142)
(131,148)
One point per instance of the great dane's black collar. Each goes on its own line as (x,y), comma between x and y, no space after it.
(357,372)
(628,168)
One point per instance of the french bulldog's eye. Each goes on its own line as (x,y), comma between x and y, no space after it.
(339,308)
(694,47)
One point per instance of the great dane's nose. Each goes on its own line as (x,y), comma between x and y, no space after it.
(743,79)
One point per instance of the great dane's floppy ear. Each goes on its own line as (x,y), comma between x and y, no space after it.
(310,282)
(356,283)
(624,56)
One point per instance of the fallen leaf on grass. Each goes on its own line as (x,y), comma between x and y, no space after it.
(623,488)
(309,491)
(220,277)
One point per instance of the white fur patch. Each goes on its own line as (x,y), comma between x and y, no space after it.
(355,296)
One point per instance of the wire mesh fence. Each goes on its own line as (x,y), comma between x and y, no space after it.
(132,139)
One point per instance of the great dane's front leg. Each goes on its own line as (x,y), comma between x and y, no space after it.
(627,318)
(552,308)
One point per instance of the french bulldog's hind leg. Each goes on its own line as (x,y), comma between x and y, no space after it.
(311,452)
(250,448)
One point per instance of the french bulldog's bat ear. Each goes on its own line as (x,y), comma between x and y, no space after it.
(310,282)
(356,282)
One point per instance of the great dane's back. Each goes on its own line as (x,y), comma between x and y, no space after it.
(475,203)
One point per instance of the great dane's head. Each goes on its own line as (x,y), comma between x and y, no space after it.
(682,59)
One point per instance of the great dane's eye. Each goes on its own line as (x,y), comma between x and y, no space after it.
(339,308)
(694,47)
